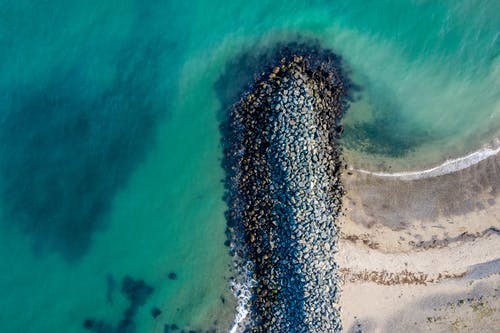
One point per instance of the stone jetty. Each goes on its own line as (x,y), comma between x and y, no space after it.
(284,192)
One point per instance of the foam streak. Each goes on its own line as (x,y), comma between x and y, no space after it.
(448,166)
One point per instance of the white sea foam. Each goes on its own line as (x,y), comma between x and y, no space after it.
(242,291)
(448,166)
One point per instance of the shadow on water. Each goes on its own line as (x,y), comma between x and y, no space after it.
(66,151)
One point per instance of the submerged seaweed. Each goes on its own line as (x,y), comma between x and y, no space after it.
(137,293)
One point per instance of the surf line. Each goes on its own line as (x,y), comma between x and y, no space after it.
(449,166)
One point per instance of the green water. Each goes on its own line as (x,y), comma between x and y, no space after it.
(109,139)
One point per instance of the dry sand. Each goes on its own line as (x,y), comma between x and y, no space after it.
(422,255)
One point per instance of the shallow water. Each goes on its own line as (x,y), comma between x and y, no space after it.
(109,138)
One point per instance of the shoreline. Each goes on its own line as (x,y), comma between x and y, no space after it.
(432,266)
(447,167)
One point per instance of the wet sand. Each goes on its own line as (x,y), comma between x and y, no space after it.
(421,255)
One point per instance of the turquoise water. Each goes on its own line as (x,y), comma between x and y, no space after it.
(109,138)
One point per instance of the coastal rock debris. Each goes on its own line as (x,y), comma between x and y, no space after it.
(284,193)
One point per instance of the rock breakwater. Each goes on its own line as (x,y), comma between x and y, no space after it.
(284,192)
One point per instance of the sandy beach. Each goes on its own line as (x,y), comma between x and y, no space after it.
(421,255)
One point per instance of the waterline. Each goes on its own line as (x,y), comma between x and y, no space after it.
(243,292)
(449,166)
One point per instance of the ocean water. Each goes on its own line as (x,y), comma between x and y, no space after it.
(110,179)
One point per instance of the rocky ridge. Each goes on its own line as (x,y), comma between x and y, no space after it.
(284,192)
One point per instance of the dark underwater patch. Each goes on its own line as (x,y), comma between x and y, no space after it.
(137,293)
(389,133)
(66,150)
